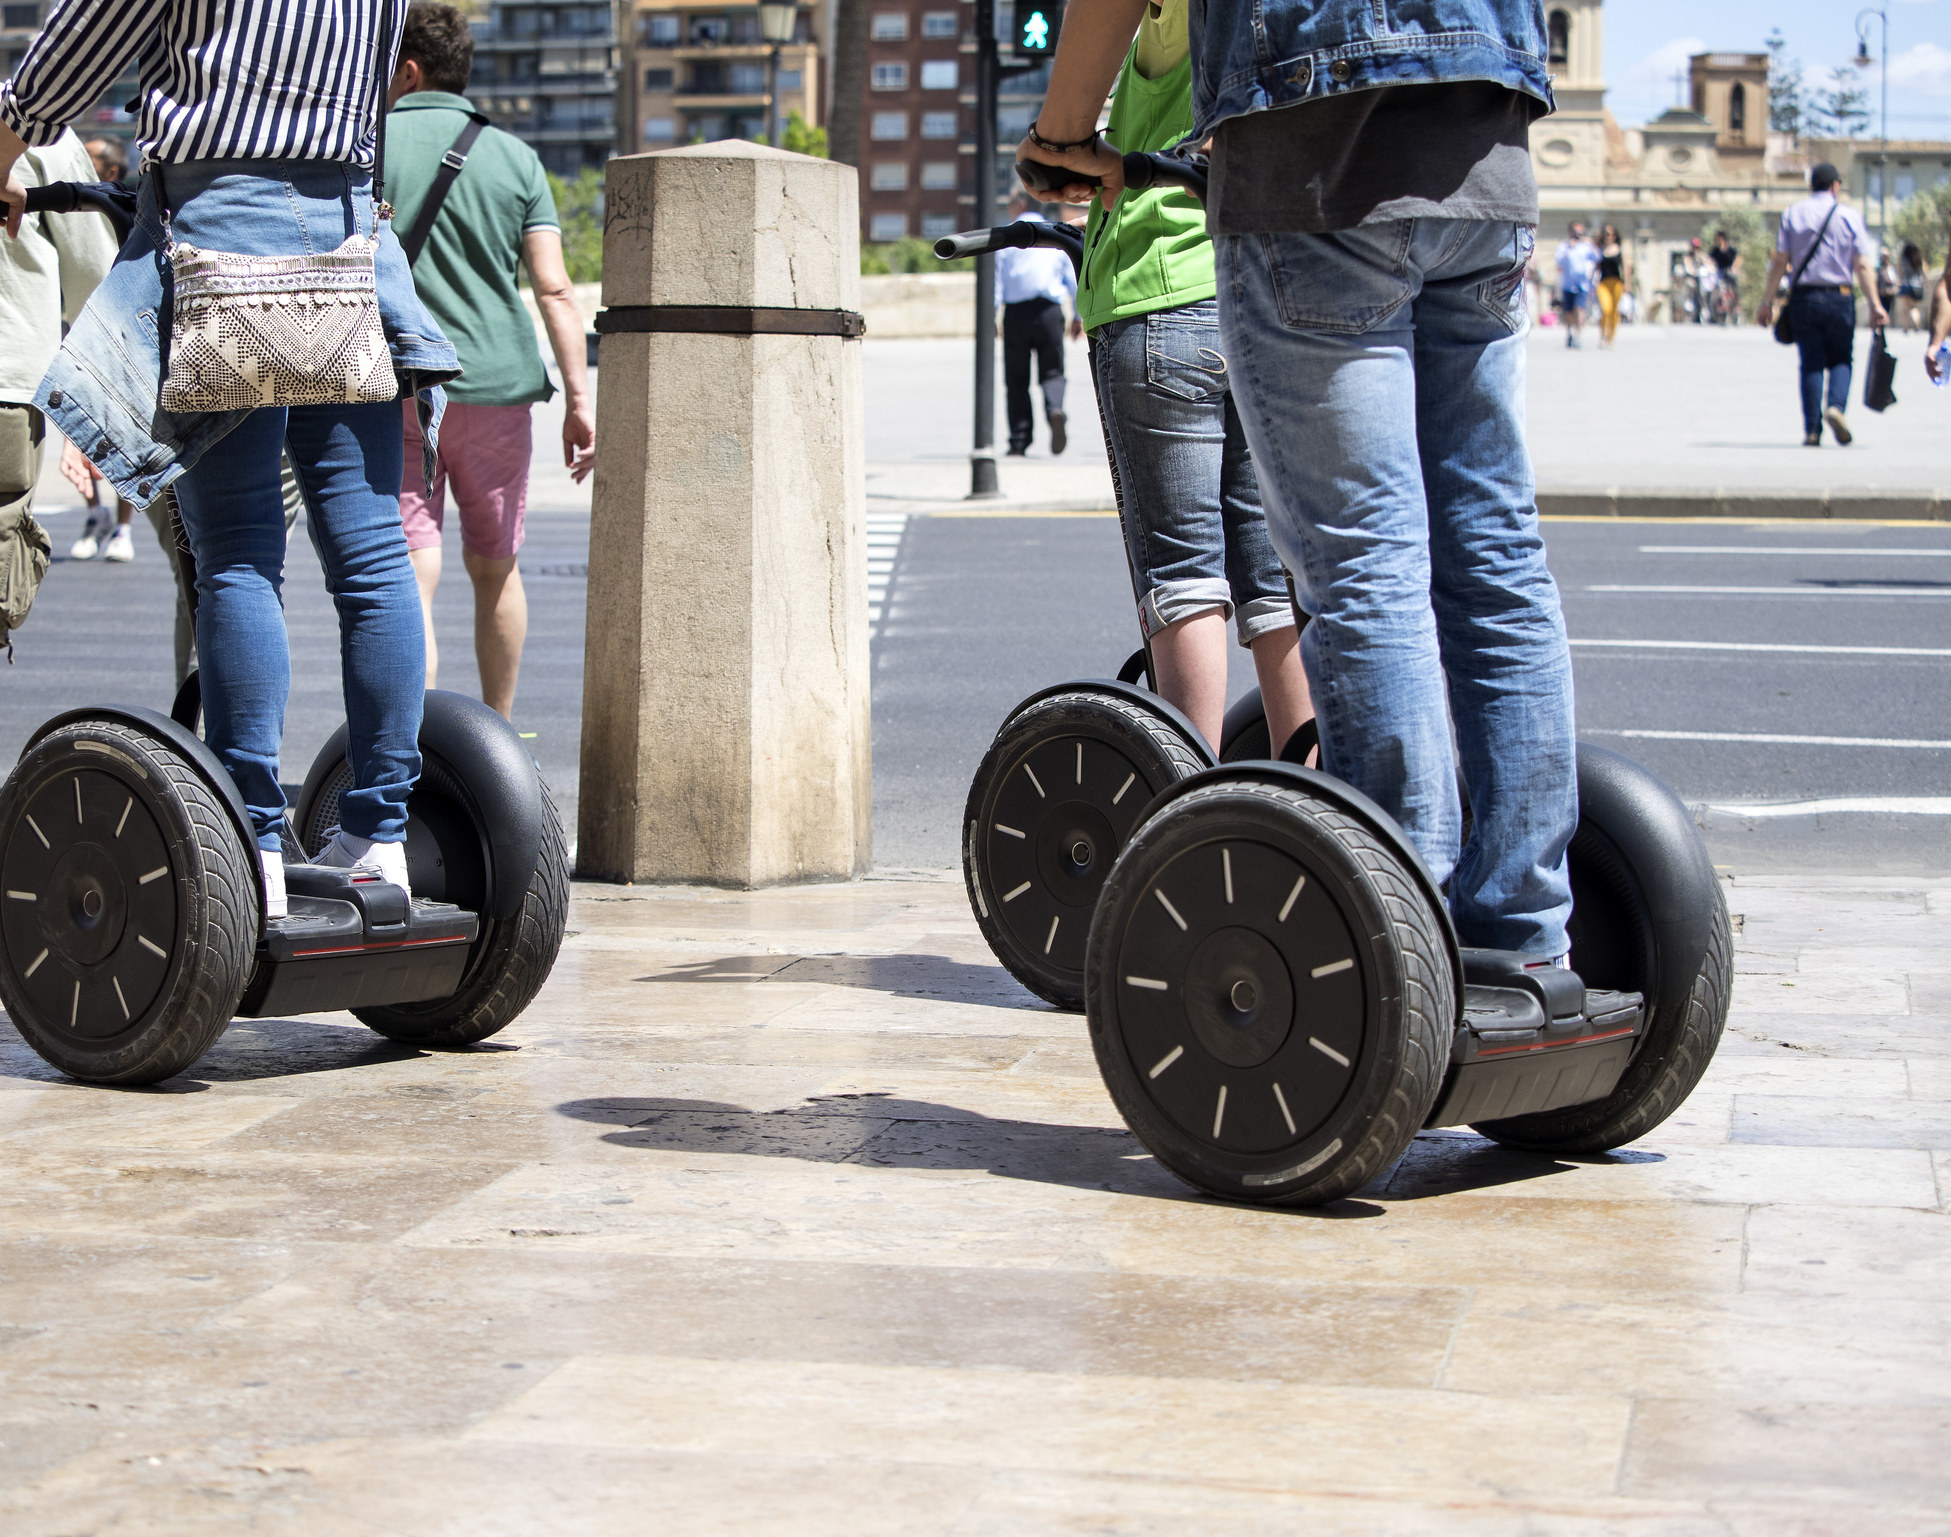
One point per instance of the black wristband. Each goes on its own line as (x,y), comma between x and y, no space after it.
(1051,147)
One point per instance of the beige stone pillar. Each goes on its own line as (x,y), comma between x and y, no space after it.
(725,690)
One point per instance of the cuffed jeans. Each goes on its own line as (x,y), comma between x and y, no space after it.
(1380,375)
(347,460)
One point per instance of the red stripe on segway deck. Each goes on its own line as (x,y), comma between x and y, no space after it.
(1580,1040)
(397,944)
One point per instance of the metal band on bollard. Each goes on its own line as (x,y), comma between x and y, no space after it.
(729,320)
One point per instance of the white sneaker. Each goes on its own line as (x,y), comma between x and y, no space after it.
(346,851)
(90,541)
(120,545)
(276,904)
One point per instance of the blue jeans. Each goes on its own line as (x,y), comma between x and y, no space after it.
(1825,343)
(1190,504)
(348,461)
(1380,374)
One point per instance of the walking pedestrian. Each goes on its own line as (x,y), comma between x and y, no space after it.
(1727,278)
(106,532)
(1825,242)
(1188,498)
(1910,287)
(1373,205)
(1615,272)
(1578,265)
(1033,286)
(46,275)
(466,228)
(253,151)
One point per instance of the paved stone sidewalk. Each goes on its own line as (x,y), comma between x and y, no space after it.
(788,1211)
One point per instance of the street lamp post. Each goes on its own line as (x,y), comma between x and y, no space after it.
(777,19)
(1880,13)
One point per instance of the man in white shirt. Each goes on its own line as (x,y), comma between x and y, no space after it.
(1033,287)
(1578,266)
(1824,244)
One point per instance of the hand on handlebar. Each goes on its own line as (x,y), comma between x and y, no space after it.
(1101,159)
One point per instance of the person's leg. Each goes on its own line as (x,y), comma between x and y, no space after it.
(1317,332)
(1498,619)
(1161,385)
(489,477)
(348,459)
(1840,337)
(1049,341)
(1016,376)
(161,514)
(422,511)
(229,505)
(1811,362)
(1283,684)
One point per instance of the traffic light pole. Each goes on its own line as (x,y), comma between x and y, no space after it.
(982,458)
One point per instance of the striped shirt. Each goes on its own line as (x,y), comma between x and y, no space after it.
(220,79)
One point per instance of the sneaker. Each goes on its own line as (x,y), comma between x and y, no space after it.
(347,851)
(1017,450)
(1058,437)
(1837,425)
(1812,440)
(276,903)
(90,541)
(120,546)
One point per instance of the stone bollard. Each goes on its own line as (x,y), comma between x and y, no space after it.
(725,686)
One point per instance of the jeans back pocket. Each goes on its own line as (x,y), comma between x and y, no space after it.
(1182,355)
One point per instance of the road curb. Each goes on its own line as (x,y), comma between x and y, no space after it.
(1838,506)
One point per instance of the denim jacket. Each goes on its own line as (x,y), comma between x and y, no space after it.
(1254,54)
(103,388)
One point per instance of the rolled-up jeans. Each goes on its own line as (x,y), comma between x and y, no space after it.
(1380,374)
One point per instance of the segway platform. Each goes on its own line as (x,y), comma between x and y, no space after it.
(352,941)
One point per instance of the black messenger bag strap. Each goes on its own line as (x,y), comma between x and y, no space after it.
(1803,265)
(415,238)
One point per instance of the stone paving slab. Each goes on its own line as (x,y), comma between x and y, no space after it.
(790,1211)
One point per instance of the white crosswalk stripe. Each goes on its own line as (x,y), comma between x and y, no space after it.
(884,532)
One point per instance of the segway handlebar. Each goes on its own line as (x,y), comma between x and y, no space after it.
(104,197)
(1143,172)
(1021,235)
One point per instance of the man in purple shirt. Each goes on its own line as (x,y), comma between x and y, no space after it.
(1825,245)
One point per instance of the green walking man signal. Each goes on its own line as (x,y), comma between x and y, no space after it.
(1037,26)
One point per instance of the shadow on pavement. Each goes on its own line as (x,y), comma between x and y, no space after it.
(901,976)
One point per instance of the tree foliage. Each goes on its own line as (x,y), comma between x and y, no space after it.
(1788,106)
(910,254)
(1926,221)
(1747,231)
(1842,108)
(579,208)
(802,138)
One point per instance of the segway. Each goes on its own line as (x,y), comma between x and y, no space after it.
(133,927)
(1062,784)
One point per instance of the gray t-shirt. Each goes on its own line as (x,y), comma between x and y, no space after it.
(1455,150)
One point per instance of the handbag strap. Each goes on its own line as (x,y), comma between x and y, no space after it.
(383,77)
(415,238)
(1803,265)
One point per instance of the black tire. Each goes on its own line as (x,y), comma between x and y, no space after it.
(130,918)
(1612,946)
(511,958)
(1245,737)
(1314,1081)
(1031,893)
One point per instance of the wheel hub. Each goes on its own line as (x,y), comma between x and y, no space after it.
(86,905)
(1239,997)
(1074,847)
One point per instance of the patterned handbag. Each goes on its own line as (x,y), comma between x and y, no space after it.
(250,331)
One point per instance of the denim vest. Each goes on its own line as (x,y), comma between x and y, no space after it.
(102,389)
(1254,54)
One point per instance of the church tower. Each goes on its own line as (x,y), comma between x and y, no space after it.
(1569,147)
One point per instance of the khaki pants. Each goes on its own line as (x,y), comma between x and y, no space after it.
(21,430)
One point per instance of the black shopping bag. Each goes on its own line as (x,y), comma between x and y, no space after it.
(1880,378)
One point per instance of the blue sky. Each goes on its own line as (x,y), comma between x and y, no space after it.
(1646,40)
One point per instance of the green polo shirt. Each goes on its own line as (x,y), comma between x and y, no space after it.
(466,271)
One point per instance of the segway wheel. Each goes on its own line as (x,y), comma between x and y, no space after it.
(446,861)
(1055,798)
(130,912)
(1271,994)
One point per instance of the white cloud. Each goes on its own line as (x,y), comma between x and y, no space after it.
(1654,73)
(1924,68)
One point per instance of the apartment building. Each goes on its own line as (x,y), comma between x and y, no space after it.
(698,74)
(918,119)
(546,71)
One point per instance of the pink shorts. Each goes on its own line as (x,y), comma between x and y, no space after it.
(484,454)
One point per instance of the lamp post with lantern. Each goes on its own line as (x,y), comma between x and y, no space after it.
(777,19)
(1880,13)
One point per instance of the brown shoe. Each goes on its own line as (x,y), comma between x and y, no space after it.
(1837,425)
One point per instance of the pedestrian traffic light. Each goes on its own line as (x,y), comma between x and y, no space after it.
(1037,24)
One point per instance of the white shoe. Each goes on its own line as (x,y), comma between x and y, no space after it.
(120,545)
(346,851)
(276,904)
(90,541)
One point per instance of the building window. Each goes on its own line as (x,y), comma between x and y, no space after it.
(662,31)
(890,77)
(657,79)
(884,227)
(1905,183)
(790,80)
(939,24)
(660,130)
(936,225)
(890,125)
(889,176)
(1558,38)
(20,16)
(939,75)
(748,79)
(890,27)
(710,29)
(938,175)
(1737,111)
(939,125)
